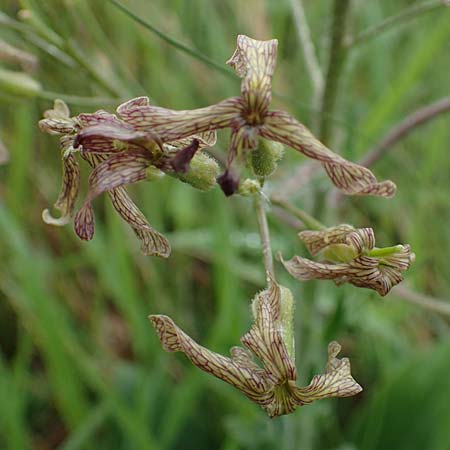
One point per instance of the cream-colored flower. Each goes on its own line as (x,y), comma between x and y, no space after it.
(271,385)
(249,117)
(350,256)
(120,155)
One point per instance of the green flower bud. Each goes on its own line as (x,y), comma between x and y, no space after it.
(202,173)
(339,253)
(153,173)
(287,320)
(18,83)
(265,157)
(249,187)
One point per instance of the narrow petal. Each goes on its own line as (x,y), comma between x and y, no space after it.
(84,222)
(254,61)
(305,269)
(69,191)
(351,178)
(120,169)
(58,120)
(153,243)
(206,139)
(336,382)
(171,125)
(245,377)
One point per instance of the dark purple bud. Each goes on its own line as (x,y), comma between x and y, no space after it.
(228,182)
(180,162)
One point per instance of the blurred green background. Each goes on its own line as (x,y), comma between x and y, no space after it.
(80,366)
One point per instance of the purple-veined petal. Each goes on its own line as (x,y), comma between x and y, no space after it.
(240,374)
(351,178)
(305,269)
(153,243)
(254,61)
(58,120)
(120,169)
(205,139)
(361,239)
(84,222)
(336,382)
(171,125)
(69,190)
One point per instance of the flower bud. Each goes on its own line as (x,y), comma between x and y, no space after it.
(18,84)
(265,157)
(202,173)
(287,320)
(153,173)
(249,187)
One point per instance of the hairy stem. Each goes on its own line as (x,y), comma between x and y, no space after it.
(334,68)
(264,233)
(404,16)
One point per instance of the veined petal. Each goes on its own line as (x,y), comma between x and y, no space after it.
(58,120)
(84,222)
(236,371)
(103,132)
(171,125)
(361,239)
(336,382)
(153,243)
(254,61)
(265,338)
(305,269)
(120,169)
(351,178)
(205,139)
(316,241)
(69,190)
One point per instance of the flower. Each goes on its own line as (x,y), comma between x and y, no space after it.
(351,257)
(249,117)
(119,155)
(270,339)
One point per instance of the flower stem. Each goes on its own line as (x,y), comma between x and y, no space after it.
(264,233)
(310,222)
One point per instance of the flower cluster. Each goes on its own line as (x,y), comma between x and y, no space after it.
(350,256)
(142,140)
(121,155)
(270,339)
